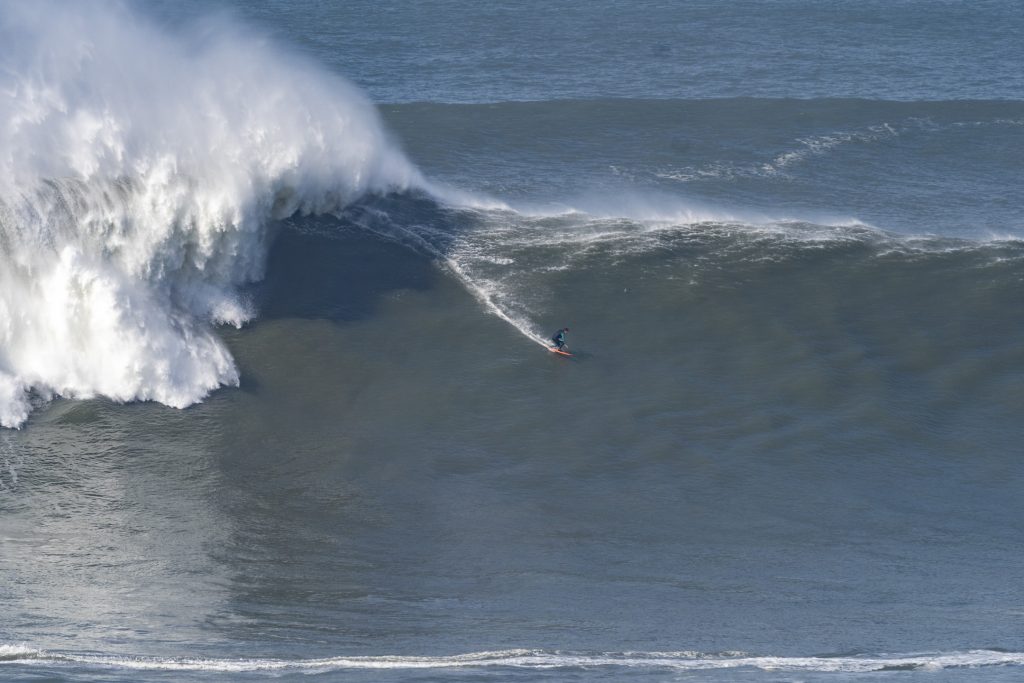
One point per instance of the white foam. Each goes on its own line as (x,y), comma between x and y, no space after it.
(816,145)
(806,148)
(486,292)
(661,209)
(538,659)
(138,170)
(17,651)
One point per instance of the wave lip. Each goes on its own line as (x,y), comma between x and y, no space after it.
(538,659)
(140,171)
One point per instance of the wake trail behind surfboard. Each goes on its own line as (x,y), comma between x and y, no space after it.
(479,291)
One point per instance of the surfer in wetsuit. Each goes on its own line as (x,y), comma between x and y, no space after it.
(559,339)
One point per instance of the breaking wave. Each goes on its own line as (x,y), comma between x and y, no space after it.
(536,660)
(141,169)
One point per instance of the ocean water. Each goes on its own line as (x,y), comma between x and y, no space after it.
(275,283)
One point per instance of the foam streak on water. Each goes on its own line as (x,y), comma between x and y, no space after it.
(535,659)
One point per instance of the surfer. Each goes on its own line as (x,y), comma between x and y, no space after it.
(559,339)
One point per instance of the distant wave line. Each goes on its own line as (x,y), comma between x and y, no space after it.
(535,659)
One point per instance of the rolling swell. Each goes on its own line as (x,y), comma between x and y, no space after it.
(796,336)
(938,167)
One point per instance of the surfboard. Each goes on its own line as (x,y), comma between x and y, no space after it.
(554,349)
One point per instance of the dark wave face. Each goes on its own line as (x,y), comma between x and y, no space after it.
(785,445)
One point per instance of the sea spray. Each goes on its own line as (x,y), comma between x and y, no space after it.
(140,170)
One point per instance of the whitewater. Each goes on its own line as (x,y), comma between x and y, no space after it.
(533,660)
(140,175)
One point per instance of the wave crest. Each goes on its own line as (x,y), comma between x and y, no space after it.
(141,168)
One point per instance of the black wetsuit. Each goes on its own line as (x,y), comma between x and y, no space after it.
(559,339)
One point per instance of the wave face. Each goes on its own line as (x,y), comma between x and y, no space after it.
(140,170)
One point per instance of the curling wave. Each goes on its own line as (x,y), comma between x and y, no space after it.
(141,169)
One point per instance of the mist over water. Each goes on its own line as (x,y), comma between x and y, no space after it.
(272,399)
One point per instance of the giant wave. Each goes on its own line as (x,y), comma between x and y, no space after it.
(142,168)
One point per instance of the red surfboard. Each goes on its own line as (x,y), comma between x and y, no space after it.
(555,349)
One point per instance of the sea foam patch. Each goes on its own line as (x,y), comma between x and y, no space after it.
(536,660)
